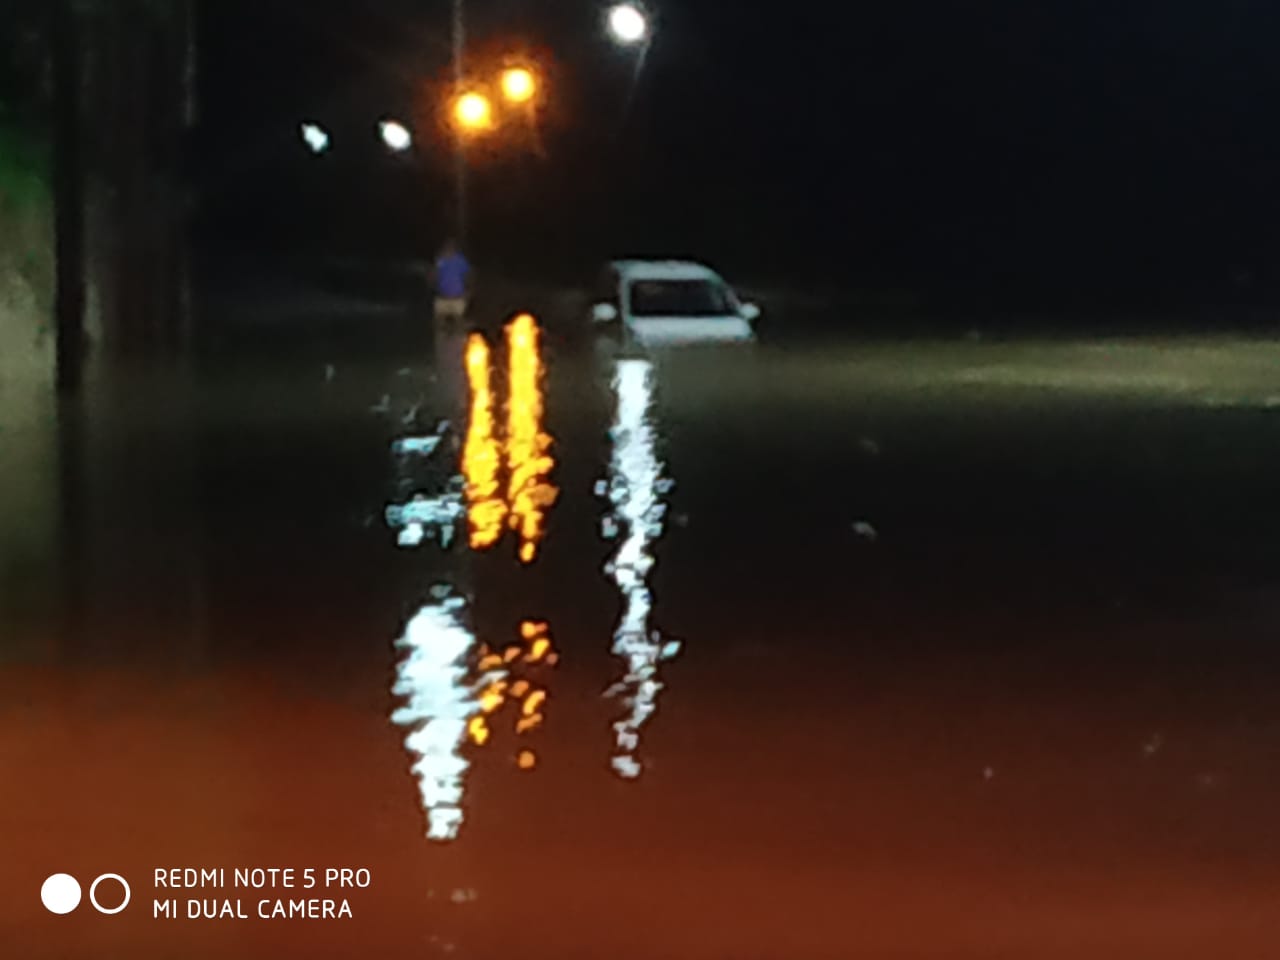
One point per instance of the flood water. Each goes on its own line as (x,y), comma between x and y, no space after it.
(824,649)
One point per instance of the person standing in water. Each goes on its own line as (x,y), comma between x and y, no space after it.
(451,283)
(451,277)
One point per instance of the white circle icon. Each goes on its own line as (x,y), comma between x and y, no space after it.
(93,893)
(60,894)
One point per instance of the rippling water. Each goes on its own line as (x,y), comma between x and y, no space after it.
(417,613)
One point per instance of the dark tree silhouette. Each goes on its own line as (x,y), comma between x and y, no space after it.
(123,100)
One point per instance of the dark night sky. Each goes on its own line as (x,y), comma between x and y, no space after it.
(930,144)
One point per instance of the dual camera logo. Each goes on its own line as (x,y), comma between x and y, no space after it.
(61,893)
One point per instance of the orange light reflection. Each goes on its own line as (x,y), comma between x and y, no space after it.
(481,458)
(497,686)
(478,730)
(529,460)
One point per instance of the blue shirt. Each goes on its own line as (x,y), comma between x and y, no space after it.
(451,276)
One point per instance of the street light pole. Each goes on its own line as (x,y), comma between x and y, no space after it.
(460,159)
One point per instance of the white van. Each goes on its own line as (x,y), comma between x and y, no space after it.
(670,302)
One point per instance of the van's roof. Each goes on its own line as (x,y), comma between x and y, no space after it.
(663,270)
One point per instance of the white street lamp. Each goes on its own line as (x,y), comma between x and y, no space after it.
(628,24)
(315,137)
(396,136)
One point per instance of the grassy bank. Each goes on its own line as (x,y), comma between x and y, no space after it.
(26,248)
(28,495)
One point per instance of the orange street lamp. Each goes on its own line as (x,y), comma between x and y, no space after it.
(472,111)
(519,85)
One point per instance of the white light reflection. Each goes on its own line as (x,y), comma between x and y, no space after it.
(438,705)
(412,535)
(636,485)
(416,446)
(424,517)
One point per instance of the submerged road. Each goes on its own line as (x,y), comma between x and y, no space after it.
(934,649)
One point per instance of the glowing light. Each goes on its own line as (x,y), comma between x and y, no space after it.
(494,696)
(538,651)
(395,135)
(528,493)
(496,688)
(478,730)
(635,488)
(315,137)
(472,111)
(532,628)
(529,462)
(437,709)
(628,24)
(482,457)
(527,760)
(519,84)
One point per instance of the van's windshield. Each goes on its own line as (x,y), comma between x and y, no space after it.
(680,298)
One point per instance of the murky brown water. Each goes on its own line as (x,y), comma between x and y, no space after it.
(709,656)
